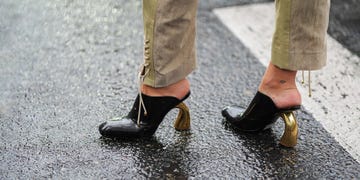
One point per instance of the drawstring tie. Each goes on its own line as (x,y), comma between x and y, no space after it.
(309,81)
(141,77)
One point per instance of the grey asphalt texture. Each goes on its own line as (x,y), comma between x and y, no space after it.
(67,66)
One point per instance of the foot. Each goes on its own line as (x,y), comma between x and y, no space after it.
(178,90)
(280,86)
(158,102)
(140,124)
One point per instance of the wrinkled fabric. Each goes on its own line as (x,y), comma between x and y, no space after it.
(170,49)
(299,40)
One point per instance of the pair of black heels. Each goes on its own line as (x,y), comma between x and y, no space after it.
(142,121)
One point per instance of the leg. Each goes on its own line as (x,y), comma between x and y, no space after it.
(169,46)
(298,44)
(169,56)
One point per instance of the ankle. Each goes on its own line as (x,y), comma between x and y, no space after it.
(276,78)
(277,84)
(178,89)
(280,86)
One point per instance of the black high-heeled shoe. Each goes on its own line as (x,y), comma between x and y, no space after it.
(260,115)
(150,118)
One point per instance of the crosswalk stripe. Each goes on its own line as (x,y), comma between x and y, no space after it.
(336,88)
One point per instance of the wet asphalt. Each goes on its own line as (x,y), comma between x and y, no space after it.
(66,66)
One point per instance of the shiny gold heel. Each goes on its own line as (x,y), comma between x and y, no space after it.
(182,121)
(289,138)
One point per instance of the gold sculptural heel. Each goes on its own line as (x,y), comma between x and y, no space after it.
(289,138)
(182,121)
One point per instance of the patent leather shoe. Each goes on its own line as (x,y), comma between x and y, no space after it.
(261,114)
(133,126)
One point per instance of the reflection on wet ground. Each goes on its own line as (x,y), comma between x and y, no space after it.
(154,159)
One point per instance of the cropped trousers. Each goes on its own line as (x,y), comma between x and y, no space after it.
(299,39)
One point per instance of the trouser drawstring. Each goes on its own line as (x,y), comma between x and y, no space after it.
(141,76)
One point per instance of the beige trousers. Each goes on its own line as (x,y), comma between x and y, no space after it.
(169,50)
(299,40)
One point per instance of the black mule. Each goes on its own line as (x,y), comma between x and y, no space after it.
(260,115)
(131,126)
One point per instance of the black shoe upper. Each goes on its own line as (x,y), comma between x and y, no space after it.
(156,108)
(259,115)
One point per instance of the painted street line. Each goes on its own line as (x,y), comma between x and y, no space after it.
(335,89)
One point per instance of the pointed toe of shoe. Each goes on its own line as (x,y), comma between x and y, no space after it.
(230,113)
(103,129)
(235,116)
(121,128)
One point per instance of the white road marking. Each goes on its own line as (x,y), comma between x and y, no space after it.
(336,88)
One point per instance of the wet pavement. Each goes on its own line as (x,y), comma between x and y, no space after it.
(66,66)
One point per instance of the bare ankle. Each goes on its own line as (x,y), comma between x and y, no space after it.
(280,86)
(178,89)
